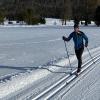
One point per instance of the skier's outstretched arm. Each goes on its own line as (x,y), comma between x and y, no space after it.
(67,39)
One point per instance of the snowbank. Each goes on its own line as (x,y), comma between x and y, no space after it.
(49,22)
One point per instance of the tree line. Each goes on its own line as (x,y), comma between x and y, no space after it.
(35,11)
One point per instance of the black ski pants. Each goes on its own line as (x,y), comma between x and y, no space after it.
(79,53)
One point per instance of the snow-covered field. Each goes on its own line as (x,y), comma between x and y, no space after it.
(26,52)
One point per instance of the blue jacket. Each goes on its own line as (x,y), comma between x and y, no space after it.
(78,39)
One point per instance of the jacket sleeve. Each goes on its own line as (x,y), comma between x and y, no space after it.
(85,38)
(69,37)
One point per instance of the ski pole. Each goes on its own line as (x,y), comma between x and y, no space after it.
(67,54)
(90,55)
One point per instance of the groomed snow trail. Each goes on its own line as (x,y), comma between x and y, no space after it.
(88,88)
(27,89)
(67,82)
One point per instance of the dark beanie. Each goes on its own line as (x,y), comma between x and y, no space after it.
(76,26)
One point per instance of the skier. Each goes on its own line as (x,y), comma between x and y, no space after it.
(78,37)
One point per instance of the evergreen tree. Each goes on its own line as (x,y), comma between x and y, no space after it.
(97,16)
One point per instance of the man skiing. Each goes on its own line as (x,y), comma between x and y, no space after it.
(78,37)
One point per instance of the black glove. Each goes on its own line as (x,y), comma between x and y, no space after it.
(86,45)
(64,38)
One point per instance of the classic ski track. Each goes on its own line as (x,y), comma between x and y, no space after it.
(65,81)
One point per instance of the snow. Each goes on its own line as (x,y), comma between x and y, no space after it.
(27,78)
(23,80)
(50,21)
(25,51)
(20,81)
(88,88)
